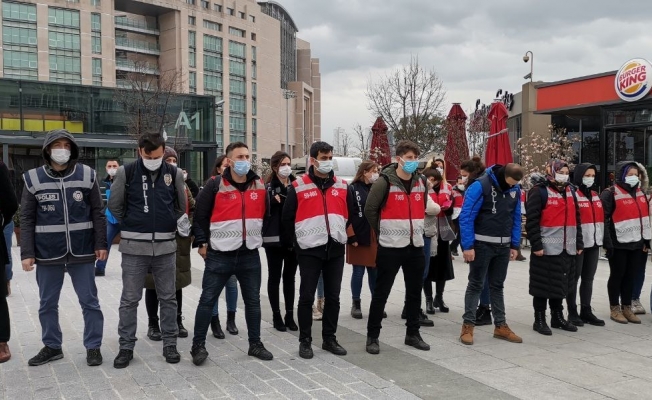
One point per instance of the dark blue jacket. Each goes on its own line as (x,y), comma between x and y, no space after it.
(474,200)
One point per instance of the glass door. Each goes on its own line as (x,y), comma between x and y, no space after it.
(627,144)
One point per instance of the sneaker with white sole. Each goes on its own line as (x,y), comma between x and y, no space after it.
(637,307)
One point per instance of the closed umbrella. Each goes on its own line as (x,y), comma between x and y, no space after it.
(379,149)
(457,148)
(499,151)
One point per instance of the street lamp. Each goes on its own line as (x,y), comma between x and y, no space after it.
(527,58)
(288,94)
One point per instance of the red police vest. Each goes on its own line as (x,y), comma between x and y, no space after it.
(458,200)
(558,223)
(320,214)
(592,219)
(402,218)
(631,216)
(523,198)
(238,216)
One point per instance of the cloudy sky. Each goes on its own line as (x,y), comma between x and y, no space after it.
(476,46)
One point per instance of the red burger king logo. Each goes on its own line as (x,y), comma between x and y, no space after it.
(633,80)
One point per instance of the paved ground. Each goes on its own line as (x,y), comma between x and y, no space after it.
(609,362)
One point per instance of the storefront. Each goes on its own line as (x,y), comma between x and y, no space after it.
(609,113)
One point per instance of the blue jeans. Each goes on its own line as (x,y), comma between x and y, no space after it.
(231,290)
(8,232)
(427,243)
(112,231)
(320,287)
(245,265)
(490,261)
(356,280)
(50,280)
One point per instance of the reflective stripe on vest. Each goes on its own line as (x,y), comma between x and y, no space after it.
(458,201)
(631,223)
(558,223)
(237,216)
(430,221)
(493,239)
(320,214)
(523,198)
(402,218)
(592,218)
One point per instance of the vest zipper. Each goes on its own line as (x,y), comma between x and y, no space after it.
(244,226)
(65,214)
(154,207)
(595,225)
(640,214)
(565,219)
(410,217)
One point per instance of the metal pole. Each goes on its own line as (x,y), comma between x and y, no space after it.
(287,124)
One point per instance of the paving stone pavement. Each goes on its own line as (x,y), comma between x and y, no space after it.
(597,362)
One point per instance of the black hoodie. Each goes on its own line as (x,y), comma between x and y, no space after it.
(578,174)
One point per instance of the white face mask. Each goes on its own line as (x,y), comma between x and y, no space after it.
(588,181)
(154,164)
(60,156)
(464,179)
(440,169)
(185,176)
(561,178)
(111,171)
(460,187)
(632,180)
(325,166)
(173,164)
(284,171)
(374,177)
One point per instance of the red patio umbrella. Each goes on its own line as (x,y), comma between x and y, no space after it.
(379,149)
(457,148)
(499,151)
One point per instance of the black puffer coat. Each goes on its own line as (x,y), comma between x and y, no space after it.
(549,275)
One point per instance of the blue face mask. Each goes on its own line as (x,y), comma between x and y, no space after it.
(410,166)
(241,167)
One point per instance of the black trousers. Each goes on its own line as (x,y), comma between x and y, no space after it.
(585,267)
(388,262)
(151,303)
(310,268)
(623,265)
(281,263)
(539,304)
(5,325)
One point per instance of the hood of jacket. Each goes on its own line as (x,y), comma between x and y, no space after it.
(538,179)
(492,173)
(579,171)
(57,134)
(390,172)
(645,180)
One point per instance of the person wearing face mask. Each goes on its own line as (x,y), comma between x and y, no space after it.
(63,227)
(148,197)
(361,245)
(554,230)
(316,213)
(281,258)
(627,235)
(194,189)
(639,278)
(230,210)
(112,224)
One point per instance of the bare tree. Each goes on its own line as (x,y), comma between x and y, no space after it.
(362,137)
(478,131)
(345,144)
(411,101)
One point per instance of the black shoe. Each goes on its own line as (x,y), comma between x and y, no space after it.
(372,346)
(356,312)
(439,303)
(586,314)
(183,332)
(332,346)
(217,328)
(99,272)
(93,357)
(573,317)
(123,358)
(260,352)
(430,308)
(171,354)
(278,323)
(198,353)
(558,321)
(423,319)
(540,324)
(416,342)
(46,355)
(403,314)
(305,349)
(483,316)
(454,253)
(289,321)
(230,323)
(154,332)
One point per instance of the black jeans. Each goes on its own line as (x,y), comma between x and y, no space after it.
(585,267)
(388,262)
(151,303)
(623,265)
(5,325)
(281,262)
(310,268)
(539,304)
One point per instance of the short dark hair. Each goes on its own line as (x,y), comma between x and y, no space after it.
(320,147)
(235,145)
(405,146)
(150,142)
(514,171)
(431,172)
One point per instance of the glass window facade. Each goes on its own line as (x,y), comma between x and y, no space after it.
(192,81)
(237,104)
(97,71)
(213,82)
(237,86)
(237,32)
(63,17)
(212,63)
(213,26)
(19,39)
(237,49)
(237,67)
(192,39)
(96,22)
(65,45)
(212,44)
(18,11)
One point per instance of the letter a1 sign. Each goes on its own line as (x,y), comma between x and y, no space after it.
(634,79)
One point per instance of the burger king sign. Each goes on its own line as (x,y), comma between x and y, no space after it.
(634,79)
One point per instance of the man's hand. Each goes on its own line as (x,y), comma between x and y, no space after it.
(101,255)
(579,252)
(28,264)
(513,254)
(469,255)
(202,251)
(354,244)
(538,253)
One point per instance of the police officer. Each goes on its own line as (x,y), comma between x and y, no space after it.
(148,197)
(63,227)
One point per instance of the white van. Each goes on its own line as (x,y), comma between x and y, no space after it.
(343,167)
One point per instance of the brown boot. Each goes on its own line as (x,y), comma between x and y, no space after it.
(503,332)
(630,316)
(466,337)
(617,315)
(5,354)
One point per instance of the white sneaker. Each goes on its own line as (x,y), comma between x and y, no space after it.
(637,307)
(316,314)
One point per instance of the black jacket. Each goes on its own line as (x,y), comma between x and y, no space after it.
(272,226)
(357,198)
(328,251)
(8,207)
(607,197)
(194,189)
